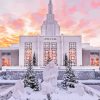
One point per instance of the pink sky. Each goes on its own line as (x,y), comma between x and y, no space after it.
(24,17)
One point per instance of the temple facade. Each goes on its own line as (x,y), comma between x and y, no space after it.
(51,44)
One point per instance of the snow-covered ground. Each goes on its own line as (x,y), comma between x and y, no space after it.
(81,92)
(60,95)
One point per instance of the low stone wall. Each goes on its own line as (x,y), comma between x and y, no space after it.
(85,75)
(80,74)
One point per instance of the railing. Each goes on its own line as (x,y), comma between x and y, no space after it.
(91,91)
(6,94)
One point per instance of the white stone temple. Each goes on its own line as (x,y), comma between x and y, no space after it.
(50,44)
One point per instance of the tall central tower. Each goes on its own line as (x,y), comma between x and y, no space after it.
(50,26)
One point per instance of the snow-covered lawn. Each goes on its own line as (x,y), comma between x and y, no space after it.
(60,95)
(81,92)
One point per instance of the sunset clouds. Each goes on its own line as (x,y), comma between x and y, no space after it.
(24,17)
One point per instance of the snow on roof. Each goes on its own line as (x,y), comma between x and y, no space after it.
(87,46)
(12,47)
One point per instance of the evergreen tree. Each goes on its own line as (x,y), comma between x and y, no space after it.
(34,60)
(30,79)
(69,77)
(65,60)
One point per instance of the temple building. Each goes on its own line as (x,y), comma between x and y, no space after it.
(51,44)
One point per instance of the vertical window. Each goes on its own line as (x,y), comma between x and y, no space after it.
(94,59)
(46,52)
(50,52)
(72,53)
(54,51)
(27,53)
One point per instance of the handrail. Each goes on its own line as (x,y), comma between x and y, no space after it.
(91,90)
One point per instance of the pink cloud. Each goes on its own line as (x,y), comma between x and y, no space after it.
(83,23)
(17,24)
(72,9)
(95,4)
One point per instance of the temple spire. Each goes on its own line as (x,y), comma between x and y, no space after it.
(50,26)
(50,7)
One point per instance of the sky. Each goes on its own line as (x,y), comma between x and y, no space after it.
(25,17)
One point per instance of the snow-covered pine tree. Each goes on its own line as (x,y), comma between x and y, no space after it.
(65,60)
(34,60)
(69,77)
(30,79)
